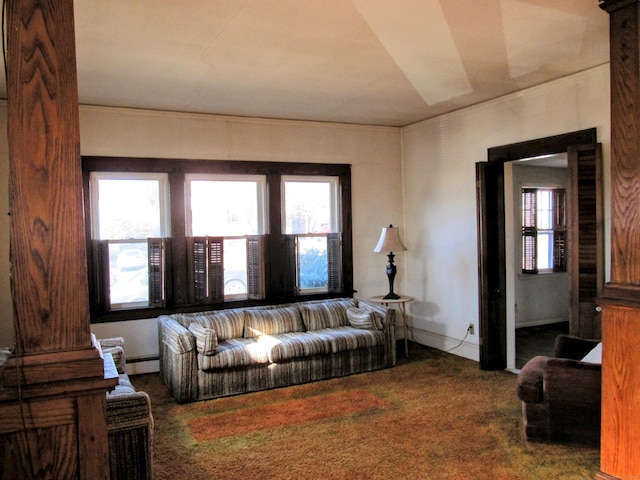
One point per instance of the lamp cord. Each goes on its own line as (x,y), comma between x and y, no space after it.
(461,342)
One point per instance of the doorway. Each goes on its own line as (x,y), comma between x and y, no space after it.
(541,301)
(584,235)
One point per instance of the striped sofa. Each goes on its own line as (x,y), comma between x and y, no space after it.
(227,352)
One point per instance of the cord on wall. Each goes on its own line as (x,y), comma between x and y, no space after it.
(470,330)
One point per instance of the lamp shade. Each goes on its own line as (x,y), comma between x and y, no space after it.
(390,240)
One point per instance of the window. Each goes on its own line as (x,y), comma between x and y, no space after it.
(231,208)
(129,210)
(543,230)
(169,235)
(311,225)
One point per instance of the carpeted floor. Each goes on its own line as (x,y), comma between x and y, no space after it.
(434,416)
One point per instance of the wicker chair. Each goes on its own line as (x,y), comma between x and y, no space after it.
(129,422)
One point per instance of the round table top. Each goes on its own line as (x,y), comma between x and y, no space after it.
(381,299)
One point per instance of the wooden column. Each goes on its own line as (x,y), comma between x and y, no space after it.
(620,438)
(52,407)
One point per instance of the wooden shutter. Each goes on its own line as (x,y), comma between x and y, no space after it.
(101,298)
(586,237)
(334,260)
(559,231)
(215,267)
(157,253)
(206,269)
(291,269)
(255,267)
(197,258)
(529,230)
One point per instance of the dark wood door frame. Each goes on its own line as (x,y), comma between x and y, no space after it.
(491,236)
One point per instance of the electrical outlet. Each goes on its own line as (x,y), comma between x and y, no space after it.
(471,329)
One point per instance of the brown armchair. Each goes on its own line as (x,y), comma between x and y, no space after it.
(561,394)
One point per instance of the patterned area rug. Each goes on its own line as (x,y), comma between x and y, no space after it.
(285,414)
(434,416)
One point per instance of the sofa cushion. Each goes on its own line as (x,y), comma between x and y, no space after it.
(206,338)
(366,319)
(272,321)
(328,314)
(226,323)
(350,338)
(529,386)
(234,352)
(293,345)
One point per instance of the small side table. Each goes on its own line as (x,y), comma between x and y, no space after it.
(402,301)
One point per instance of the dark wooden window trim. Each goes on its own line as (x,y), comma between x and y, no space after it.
(530,230)
(177,299)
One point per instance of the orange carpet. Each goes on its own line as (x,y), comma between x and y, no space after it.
(434,416)
(282,414)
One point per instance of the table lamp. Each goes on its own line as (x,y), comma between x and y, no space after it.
(390,241)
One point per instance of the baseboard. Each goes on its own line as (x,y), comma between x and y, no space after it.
(137,366)
(459,347)
(543,321)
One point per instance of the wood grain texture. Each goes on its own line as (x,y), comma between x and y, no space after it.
(586,238)
(625,145)
(52,418)
(620,436)
(620,391)
(47,243)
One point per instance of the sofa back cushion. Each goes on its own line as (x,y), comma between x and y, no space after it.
(272,321)
(226,323)
(326,314)
(365,319)
(206,338)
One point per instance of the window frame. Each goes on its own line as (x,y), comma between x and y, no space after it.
(530,230)
(275,273)
(296,237)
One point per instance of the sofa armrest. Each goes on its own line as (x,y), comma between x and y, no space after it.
(388,327)
(129,410)
(115,346)
(130,432)
(569,346)
(178,360)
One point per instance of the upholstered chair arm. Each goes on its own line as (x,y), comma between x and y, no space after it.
(115,346)
(130,429)
(572,395)
(569,346)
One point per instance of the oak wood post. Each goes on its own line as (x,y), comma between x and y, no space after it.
(620,302)
(52,406)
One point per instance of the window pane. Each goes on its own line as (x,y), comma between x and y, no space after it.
(224,208)
(313,262)
(235,267)
(129,274)
(128,209)
(308,207)
(544,213)
(545,250)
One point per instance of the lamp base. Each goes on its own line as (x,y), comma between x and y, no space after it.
(391,296)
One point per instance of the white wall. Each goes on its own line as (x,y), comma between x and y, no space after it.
(439,157)
(429,167)
(373,152)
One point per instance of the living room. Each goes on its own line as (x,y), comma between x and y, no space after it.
(419,176)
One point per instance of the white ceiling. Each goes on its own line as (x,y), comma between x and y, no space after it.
(379,62)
